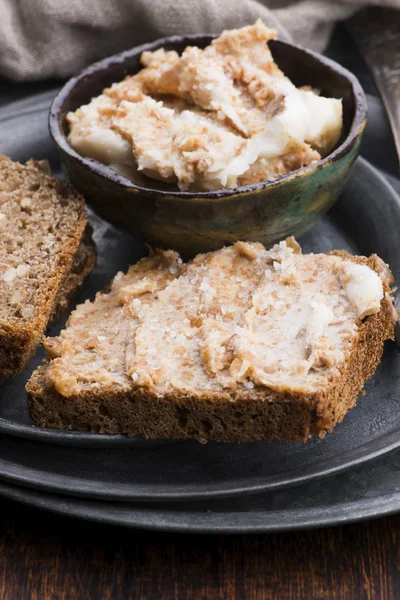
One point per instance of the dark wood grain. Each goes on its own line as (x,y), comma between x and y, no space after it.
(44,556)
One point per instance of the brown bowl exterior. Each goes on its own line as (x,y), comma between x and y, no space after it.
(199,222)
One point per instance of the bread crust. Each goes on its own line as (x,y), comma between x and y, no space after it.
(83,263)
(259,414)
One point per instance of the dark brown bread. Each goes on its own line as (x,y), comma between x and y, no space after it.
(259,414)
(42,223)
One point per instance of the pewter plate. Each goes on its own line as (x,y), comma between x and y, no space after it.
(367,491)
(122,468)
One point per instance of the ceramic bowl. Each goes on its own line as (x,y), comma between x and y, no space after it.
(192,222)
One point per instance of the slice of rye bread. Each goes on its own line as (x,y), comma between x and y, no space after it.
(42,222)
(114,403)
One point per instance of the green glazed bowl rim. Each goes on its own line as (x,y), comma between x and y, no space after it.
(60,139)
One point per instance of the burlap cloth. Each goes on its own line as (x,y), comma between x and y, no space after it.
(44,38)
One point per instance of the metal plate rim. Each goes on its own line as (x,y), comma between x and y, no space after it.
(209,522)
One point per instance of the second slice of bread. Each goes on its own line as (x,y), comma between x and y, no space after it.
(42,222)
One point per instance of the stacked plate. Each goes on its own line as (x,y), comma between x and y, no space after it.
(183,485)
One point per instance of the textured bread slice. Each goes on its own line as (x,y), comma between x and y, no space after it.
(241,344)
(42,221)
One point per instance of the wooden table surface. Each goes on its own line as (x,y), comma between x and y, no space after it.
(49,557)
(44,556)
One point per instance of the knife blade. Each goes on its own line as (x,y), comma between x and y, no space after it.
(376,32)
